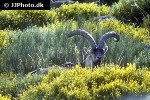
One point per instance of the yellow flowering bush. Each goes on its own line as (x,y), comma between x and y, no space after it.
(7,84)
(11,85)
(104,83)
(123,29)
(85,10)
(4,39)
(14,19)
(102,27)
(4,97)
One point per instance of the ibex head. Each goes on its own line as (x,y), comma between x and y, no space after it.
(97,50)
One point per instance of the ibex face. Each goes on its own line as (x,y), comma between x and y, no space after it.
(97,51)
(97,55)
(94,58)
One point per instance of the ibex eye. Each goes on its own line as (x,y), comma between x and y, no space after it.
(100,51)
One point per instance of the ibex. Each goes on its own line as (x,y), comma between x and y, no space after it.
(97,51)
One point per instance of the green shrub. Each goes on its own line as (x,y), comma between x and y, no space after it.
(143,59)
(20,19)
(80,11)
(38,47)
(45,46)
(109,82)
(124,9)
(26,52)
(144,6)
(131,9)
(146,22)
(127,51)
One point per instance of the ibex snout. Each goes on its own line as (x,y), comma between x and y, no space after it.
(99,58)
(99,54)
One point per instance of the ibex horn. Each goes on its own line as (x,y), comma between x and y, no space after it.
(85,34)
(107,35)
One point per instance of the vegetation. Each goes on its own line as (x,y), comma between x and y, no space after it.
(85,10)
(4,98)
(4,39)
(11,85)
(21,19)
(146,22)
(34,39)
(39,47)
(106,82)
(133,10)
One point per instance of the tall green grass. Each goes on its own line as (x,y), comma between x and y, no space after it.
(125,51)
(36,47)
